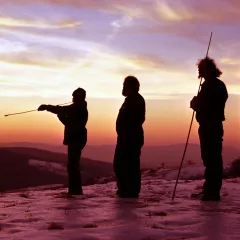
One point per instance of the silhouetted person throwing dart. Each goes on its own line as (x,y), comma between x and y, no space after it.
(74,117)
(209,106)
(130,140)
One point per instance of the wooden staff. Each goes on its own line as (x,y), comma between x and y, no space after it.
(174,191)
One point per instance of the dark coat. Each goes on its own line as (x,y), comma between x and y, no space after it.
(130,119)
(74,117)
(211,102)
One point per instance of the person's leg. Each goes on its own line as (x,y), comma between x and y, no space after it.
(217,163)
(131,168)
(118,165)
(204,147)
(133,176)
(211,150)
(74,175)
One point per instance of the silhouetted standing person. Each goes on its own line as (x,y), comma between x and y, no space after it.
(209,106)
(74,117)
(130,140)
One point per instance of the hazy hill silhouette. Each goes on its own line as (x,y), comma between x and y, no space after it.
(152,156)
(16,172)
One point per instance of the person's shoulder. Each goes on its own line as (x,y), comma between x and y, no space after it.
(80,105)
(139,101)
(203,86)
(140,98)
(134,101)
(220,83)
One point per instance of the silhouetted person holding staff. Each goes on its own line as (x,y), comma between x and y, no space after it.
(130,140)
(74,117)
(209,106)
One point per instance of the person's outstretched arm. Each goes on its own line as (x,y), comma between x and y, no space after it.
(64,111)
(61,110)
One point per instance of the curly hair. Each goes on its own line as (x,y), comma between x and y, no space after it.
(210,65)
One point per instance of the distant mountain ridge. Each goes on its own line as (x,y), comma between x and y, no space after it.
(18,171)
(152,156)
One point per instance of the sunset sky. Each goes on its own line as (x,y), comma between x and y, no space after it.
(48,48)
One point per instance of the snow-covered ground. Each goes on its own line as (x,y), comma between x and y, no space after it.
(189,172)
(58,168)
(99,214)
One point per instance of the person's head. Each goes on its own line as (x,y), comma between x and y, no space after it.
(79,95)
(130,86)
(208,69)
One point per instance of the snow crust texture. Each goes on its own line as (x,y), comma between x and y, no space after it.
(101,215)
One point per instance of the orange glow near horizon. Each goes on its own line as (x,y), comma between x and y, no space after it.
(49,49)
(167,122)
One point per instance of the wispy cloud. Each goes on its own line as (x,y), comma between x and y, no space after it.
(197,12)
(156,40)
(55,41)
(9,47)
(13,22)
(230,61)
(32,59)
(165,12)
(221,11)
